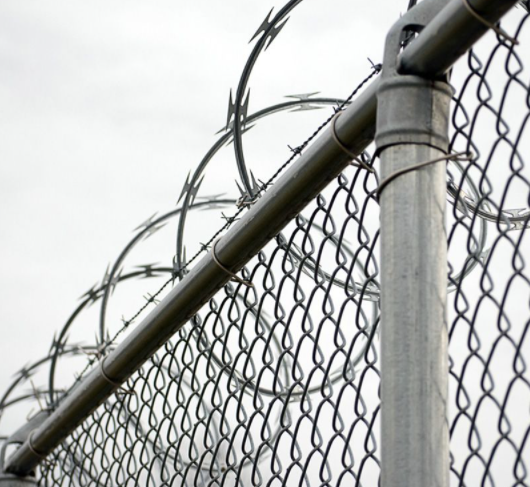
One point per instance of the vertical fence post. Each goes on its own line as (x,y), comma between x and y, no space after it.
(412,128)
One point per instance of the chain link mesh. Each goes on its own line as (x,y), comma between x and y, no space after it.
(270,385)
(279,384)
(489,279)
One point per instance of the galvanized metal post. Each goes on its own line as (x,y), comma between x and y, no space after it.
(412,128)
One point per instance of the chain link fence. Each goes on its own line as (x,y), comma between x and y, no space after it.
(489,316)
(262,386)
(278,383)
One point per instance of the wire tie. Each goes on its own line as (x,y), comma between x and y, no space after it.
(459,156)
(494,27)
(344,149)
(235,277)
(32,448)
(110,381)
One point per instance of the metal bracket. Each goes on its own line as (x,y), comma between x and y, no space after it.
(401,114)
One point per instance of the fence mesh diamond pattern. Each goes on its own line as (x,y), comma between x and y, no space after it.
(278,384)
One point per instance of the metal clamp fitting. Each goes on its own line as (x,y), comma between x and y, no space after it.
(401,99)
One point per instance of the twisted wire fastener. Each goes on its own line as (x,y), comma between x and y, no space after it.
(234,276)
(497,29)
(344,149)
(42,456)
(459,156)
(110,381)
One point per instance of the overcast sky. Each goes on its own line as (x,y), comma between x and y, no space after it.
(105,108)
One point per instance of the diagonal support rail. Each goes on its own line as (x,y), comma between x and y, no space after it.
(434,51)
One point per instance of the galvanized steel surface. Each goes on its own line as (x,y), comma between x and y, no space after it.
(412,129)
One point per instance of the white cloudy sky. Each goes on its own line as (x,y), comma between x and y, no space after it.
(106,106)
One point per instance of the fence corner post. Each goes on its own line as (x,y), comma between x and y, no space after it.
(412,128)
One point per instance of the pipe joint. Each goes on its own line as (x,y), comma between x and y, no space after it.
(411,109)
